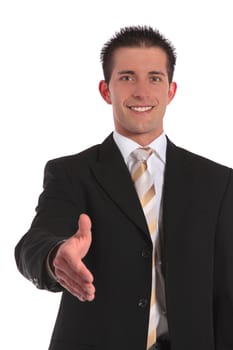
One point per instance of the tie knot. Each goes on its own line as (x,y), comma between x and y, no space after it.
(142,154)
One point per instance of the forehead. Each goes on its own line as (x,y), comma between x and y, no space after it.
(134,58)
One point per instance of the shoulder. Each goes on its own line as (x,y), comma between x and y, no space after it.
(72,166)
(193,159)
(84,156)
(201,170)
(80,161)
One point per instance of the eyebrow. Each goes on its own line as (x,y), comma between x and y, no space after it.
(126,72)
(154,72)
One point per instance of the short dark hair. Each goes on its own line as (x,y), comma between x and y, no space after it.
(137,36)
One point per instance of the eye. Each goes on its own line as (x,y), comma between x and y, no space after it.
(126,78)
(156,79)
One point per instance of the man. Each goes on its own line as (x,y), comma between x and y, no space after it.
(155,272)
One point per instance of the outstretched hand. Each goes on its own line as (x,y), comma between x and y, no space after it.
(69,268)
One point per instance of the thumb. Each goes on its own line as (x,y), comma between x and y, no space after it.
(84,224)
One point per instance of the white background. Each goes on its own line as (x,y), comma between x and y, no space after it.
(50,106)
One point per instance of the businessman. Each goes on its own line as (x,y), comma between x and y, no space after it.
(136,232)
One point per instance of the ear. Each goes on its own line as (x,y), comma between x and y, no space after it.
(172,91)
(104,91)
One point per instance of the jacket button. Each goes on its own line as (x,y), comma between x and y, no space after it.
(142,303)
(145,253)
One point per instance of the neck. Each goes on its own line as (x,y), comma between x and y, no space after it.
(142,139)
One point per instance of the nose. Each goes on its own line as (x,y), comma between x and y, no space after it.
(141,90)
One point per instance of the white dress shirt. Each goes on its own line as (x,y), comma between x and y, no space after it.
(156,166)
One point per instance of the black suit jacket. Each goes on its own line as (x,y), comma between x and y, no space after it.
(197,250)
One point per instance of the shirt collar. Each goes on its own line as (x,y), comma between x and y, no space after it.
(127,146)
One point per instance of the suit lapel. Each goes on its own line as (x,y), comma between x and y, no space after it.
(113,176)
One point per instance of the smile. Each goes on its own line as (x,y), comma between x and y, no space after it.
(141,108)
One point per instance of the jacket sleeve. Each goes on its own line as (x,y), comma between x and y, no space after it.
(223,283)
(56,220)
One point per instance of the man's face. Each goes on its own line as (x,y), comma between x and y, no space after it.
(139,92)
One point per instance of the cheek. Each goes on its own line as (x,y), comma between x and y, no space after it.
(164,98)
(116,100)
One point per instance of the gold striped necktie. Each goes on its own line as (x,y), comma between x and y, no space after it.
(144,185)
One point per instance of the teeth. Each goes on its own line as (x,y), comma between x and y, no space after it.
(141,109)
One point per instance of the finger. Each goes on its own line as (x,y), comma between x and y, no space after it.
(84,225)
(73,278)
(87,294)
(77,292)
(84,291)
(85,285)
(84,274)
(74,270)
